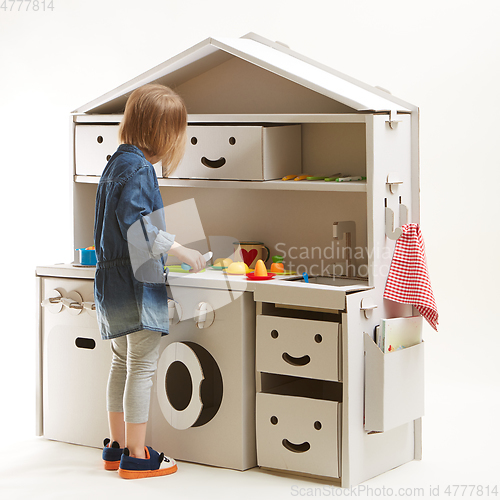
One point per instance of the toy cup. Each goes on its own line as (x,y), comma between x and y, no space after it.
(251,251)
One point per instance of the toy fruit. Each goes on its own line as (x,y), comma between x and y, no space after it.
(236,268)
(277,267)
(223,262)
(260,268)
(90,248)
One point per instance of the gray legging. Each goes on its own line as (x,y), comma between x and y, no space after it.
(135,358)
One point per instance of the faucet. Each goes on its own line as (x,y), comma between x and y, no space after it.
(348,228)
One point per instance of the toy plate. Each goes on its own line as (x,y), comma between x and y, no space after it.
(251,276)
(176,268)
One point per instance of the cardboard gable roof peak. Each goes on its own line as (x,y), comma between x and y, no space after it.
(256,51)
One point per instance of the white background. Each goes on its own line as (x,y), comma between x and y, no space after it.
(443,56)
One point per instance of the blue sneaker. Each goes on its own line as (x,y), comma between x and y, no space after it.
(155,464)
(111,454)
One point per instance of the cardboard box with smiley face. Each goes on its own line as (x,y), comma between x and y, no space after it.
(298,434)
(241,152)
(298,347)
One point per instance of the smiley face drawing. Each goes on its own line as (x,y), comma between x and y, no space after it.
(213,147)
(213,163)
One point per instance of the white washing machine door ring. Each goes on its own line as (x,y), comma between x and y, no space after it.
(189,385)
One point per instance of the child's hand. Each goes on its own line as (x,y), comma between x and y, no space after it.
(191,257)
(194,259)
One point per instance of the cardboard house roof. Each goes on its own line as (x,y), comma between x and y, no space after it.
(272,57)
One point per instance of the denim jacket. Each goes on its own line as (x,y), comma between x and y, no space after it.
(129,288)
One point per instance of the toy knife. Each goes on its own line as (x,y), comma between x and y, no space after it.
(207,256)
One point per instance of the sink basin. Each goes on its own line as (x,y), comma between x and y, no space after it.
(337,281)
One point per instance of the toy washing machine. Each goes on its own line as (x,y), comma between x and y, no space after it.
(203,401)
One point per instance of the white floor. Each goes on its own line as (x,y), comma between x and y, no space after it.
(43,469)
(460,447)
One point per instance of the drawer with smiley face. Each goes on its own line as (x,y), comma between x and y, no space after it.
(94,146)
(298,347)
(298,434)
(241,152)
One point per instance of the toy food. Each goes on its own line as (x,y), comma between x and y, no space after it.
(237,268)
(260,268)
(90,248)
(223,262)
(277,267)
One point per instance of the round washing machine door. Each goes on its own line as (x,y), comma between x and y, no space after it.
(189,385)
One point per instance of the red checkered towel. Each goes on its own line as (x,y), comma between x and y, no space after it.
(408,281)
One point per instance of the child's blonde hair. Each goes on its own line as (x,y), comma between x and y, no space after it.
(155,120)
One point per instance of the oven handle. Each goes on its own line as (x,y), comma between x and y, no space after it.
(88,306)
(74,303)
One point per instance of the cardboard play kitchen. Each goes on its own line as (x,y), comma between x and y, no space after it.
(281,373)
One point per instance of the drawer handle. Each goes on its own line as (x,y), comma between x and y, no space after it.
(83,343)
(296,448)
(303,361)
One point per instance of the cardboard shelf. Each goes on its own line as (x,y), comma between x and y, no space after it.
(262,149)
(351,187)
(345,187)
(240,118)
(277,118)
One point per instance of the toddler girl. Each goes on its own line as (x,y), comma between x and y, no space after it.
(131,297)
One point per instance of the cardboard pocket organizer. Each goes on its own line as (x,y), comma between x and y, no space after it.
(394,386)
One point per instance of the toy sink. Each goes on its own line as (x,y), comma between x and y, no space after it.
(337,281)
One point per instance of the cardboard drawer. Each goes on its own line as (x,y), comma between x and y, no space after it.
(94,146)
(298,434)
(298,347)
(241,152)
(394,386)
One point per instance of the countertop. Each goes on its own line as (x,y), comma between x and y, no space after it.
(216,279)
